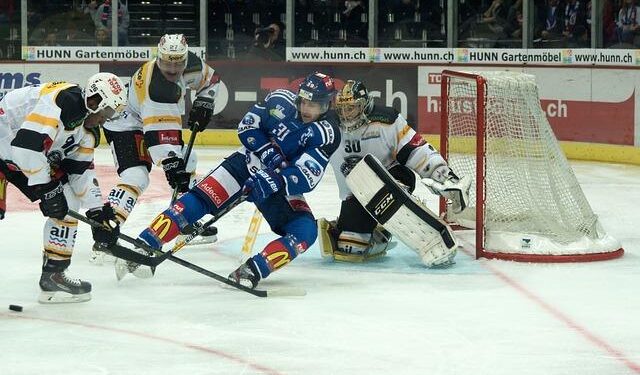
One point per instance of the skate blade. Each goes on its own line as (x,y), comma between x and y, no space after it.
(100,258)
(62,297)
(201,241)
(123,267)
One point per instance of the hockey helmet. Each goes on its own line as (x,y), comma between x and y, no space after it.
(353,104)
(109,92)
(172,53)
(318,88)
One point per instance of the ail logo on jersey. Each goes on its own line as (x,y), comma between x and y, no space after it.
(214,190)
(1,111)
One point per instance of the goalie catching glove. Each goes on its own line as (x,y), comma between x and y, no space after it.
(445,183)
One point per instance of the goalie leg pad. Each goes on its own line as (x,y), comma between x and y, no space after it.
(400,213)
(327,237)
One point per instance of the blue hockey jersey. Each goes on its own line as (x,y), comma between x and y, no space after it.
(306,146)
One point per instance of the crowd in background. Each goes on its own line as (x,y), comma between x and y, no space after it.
(255,29)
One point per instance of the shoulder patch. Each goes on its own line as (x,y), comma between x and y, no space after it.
(384,115)
(161,90)
(71,103)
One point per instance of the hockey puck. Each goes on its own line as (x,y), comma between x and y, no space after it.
(17,308)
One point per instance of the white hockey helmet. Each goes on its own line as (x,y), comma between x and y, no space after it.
(112,93)
(173,48)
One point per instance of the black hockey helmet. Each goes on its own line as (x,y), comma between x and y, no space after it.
(353,104)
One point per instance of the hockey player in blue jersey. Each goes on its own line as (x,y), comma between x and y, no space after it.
(287,142)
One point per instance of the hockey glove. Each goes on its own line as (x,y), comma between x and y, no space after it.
(271,156)
(174,170)
(52,200)
(108,234)
(201,113)
(455,189)
(261,185)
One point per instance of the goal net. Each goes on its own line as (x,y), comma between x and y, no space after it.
(526,203)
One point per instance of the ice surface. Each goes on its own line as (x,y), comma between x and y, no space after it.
(391,316)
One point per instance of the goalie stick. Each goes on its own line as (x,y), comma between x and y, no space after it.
(252,234)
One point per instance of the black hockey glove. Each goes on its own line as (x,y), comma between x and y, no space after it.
(174,170)
(108,234)
(52,200)
(201,113)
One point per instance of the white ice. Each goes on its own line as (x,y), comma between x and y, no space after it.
(388,317)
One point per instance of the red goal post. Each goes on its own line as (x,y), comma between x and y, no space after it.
(525,202)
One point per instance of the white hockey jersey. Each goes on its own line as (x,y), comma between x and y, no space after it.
(389,138)
(156,105)
(33,136)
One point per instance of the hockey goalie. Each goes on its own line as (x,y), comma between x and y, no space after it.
(400,155)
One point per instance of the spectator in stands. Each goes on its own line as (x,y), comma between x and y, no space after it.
(494,18)
(7,9)
(269,43)
(513,28)
(627,24)
(356,30)
(574,16)
(103,38)
(102,20)
(552,22)
(51,39)
(609,23)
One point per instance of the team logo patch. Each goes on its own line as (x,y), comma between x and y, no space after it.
(349,163)
(313,167)
(178,207)
(214,190)
(417,140)
(248,120)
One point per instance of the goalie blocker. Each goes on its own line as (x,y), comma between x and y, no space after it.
(401,213)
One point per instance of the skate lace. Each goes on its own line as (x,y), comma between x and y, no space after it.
(70,280)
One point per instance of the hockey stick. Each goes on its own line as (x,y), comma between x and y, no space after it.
(187,153)
(252,233)
(121,251)
(128,254)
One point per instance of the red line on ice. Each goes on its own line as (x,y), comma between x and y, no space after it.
(591,337)
(204,349)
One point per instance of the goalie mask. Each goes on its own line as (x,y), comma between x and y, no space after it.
(172,56)
(353,104)
(105,94)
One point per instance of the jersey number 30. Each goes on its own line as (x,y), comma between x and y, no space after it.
(352,146)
